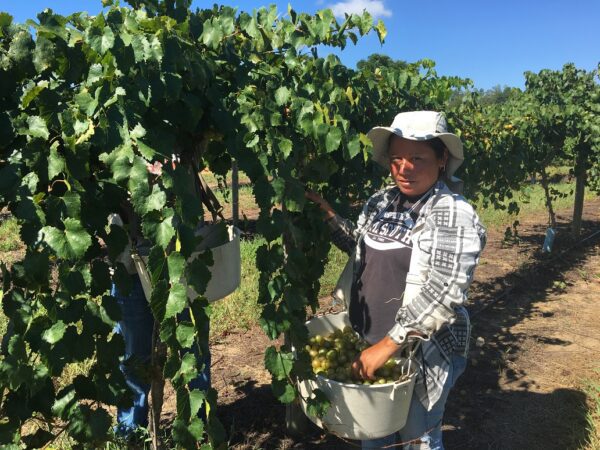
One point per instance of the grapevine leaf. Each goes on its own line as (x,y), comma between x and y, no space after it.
(282,95)
(55,333)
(56,163)
(156,200)
(285,147)
(278,363)
(176,301)
(283,391)
(159,227)
(198,274)
(197,399)
(37,127)
(71,243)
(294,195)
(176,265)
(333,139)
(211,33)
(352,149)
(185,334)
(381,31)
(187,370)
(65,401)
(102,40)
(318,405)
(158,300)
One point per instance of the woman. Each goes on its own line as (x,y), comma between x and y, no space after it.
(416,245)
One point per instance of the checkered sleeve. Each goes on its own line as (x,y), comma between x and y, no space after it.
(448,251)
(344,233)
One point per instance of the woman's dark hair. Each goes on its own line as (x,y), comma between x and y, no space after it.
(438,147)
(436,144)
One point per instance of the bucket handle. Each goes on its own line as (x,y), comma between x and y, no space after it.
(142,270)
(412,350)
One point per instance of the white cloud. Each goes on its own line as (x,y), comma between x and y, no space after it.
(375,7)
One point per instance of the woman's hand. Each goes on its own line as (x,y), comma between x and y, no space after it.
(323,204)
(371,359)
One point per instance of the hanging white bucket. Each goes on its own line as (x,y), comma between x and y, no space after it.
(358,411)
(227,267)
(225,271)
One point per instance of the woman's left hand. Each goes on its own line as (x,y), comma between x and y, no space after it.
(373,358)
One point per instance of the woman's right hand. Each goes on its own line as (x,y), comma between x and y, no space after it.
(323,204)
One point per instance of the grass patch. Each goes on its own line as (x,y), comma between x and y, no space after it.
(335,264)
(9,236)
(592,390)
(240,310)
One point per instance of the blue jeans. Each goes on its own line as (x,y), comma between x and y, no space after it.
(136,327)
(422,424)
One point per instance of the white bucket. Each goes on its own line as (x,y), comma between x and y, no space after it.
(227,267)
(225,271)
(357,411)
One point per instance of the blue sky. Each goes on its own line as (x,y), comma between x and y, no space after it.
(490,42)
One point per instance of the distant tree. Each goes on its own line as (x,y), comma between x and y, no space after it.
(378,60)
(497,95)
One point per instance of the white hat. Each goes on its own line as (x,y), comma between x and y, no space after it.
(417,126)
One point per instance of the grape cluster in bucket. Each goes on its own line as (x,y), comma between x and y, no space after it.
(332,356)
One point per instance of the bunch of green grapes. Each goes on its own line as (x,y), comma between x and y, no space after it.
(332,356)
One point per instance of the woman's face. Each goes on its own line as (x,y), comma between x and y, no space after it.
(414,165)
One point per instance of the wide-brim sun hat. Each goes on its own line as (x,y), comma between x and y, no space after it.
(417,126)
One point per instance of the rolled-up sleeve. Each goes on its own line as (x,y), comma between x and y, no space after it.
(344,233)
(448,251)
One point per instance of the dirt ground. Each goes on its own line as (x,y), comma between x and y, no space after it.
(536,339)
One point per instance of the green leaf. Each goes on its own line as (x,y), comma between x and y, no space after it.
(278,363)
(211,33)
(283,391)
(31,91)
(87,104)
(71,243)
(158,299)
(333,139)
(198,274)
(285,147)
(146,151)
(187,370)
(381,31)
(101,40)
(197,399)
(282,95)
(177,300)
(65,401)
(353,148)
(55,333)
(318,405)
(294,199)
(185,334)
(56,163)
(176,265)
(159,227)
(37,127)
(157,200)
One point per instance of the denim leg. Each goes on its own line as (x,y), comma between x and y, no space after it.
(136,328)
(427,425)
(374,444)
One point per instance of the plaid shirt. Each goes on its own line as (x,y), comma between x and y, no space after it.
(447,241)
